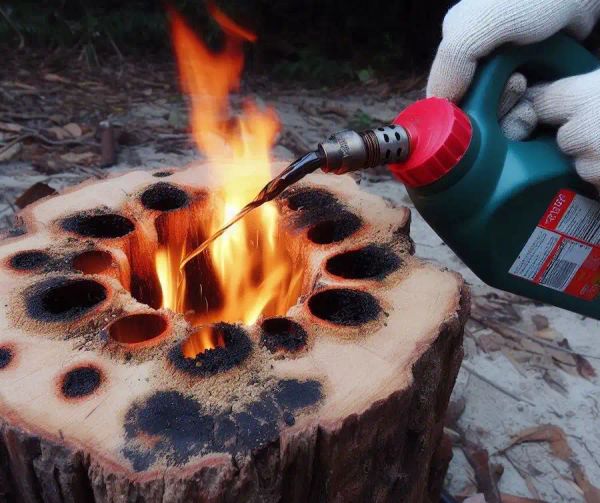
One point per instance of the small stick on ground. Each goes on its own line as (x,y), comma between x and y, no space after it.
(471,370)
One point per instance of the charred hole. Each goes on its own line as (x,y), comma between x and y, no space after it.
(370,262)
(342,226)
(29,260)
(164,197)
(282,334)
(212,349)
(307,199)
(162,174)
(344,306)
(107,225)
(92,262)
(137,328)
(64,299)
(312,206)
(6,356)
(81,381)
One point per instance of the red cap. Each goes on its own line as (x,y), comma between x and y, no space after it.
(439,133)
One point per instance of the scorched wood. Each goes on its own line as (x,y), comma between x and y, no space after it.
(104,397)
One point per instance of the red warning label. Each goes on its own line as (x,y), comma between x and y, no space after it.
(563,252)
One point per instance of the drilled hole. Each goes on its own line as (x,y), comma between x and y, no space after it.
(162,174)
(29,260)
(386,138)
(343,306)
(282,334)
(6,356)
(399,152)
(137,328)
(164,197)
(93,262)
(98,226)
(397,136)
(81,381)
(311,198)
(212,349)
(388,153)
(367,263)
(63,299)
(332,231)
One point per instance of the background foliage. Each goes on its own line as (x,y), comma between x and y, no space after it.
(319,40)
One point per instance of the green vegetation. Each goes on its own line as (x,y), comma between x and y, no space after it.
(317,40)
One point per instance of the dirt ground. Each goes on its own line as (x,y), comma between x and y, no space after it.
(528,394)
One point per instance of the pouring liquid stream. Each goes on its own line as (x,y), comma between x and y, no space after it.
(297,170)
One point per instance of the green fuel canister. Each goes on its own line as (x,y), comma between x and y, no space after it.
(516,213)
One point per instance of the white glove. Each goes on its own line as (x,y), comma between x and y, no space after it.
(474,28)
(573,104)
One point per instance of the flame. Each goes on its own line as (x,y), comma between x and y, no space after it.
(200,341)
(253,268)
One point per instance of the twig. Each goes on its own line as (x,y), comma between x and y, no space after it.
(471,370)
(34,134)
(479,459)
(114,45)
(502,331)
(13,26)
(13,142)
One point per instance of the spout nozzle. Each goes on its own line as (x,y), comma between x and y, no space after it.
(350,151)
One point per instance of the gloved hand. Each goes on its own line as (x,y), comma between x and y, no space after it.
(573,104)
(474,28)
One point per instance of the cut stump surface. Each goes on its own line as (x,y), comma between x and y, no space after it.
(341,400)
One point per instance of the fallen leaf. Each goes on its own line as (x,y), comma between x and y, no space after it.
(555,381)
(476,498)
(540,321)
(583,366)
(591,494)
(547,333)
(509,498)
(73,129)
(75,158)
(10,127)
(485,475)
(489,342)
(454,411)
(58,132)
(52,77)
(34,193)
(550,433)
(10,152)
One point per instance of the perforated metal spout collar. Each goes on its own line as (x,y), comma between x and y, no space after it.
(439,133)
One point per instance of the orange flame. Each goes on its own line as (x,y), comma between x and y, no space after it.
(254,270)
(200,341)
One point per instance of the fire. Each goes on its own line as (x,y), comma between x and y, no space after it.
(254,270)
(200,341)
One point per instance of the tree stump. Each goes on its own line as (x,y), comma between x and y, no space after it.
(341,400)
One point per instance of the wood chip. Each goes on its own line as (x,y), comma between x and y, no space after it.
(52,77)
(73,129)
(12,151)
(34,193)
(75,158)
(10,127)
(540,321)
